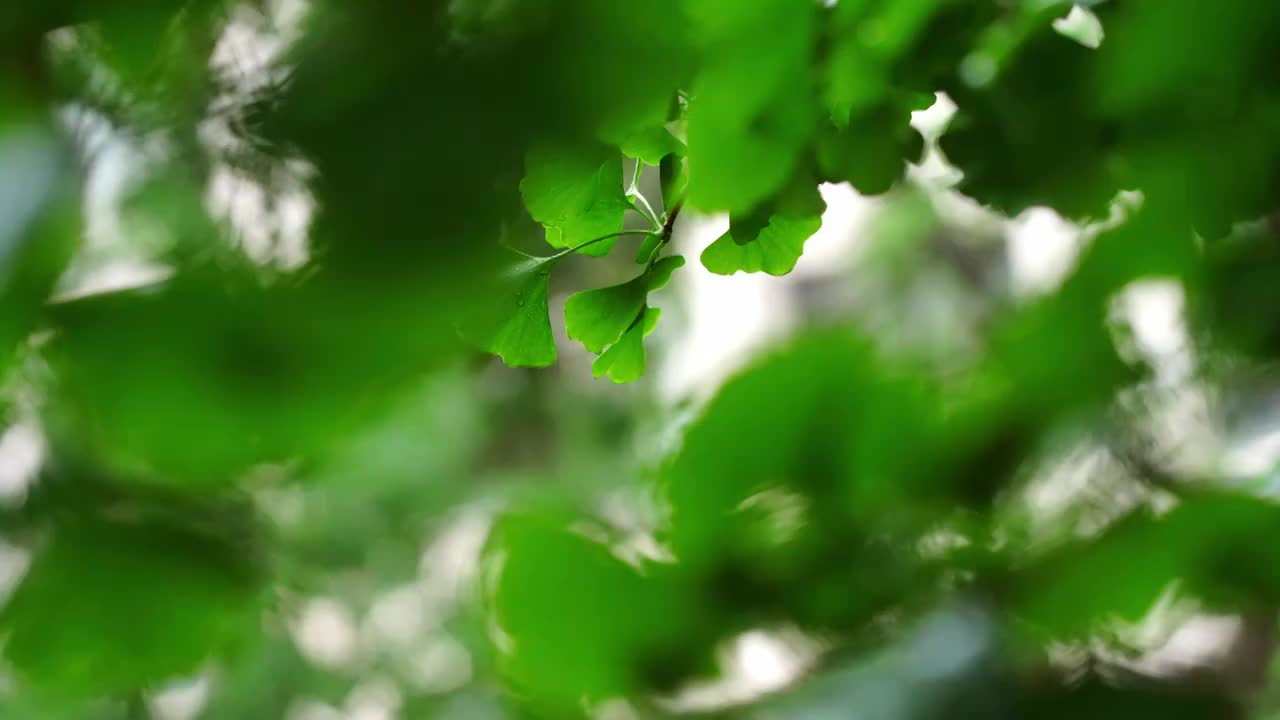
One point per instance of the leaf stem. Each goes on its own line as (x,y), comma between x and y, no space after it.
(518,251)
(638,200)
(593,241)
(647,210)
(635,176)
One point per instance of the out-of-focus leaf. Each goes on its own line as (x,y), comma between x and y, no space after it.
(39,222)
(872,152)
(620,65)
(210,354)
(1223,55)
(574,622)
(1215,548)
(1242,275)
(798,424)
(1028,138)
(117,607)
(751,113)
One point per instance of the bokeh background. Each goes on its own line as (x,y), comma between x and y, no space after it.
(249,472)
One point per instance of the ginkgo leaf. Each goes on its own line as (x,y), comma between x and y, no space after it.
(624,361)
(576,192)
(648,248)
(770,238)
(775,251)
(514,322)
(651,145)
(660,274)
(599,318)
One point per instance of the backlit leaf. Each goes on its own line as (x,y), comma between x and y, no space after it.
(624,362)
(576,192)
(513,322)
(774,249)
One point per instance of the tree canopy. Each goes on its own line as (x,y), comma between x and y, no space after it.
(339,397)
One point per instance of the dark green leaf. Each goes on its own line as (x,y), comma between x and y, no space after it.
(751,113)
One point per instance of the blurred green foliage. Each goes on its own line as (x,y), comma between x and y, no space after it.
(239,444)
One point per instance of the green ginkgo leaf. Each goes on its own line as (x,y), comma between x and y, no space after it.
(514,322)
(651,145)
(660,274)
(647,249)
(576,192)
(599,318)
(624,362)
(768,240)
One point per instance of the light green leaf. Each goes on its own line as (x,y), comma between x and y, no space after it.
(648,248)
(613,321)
(576,192)
(754,244)
(651,145)
(751,115)
(513,322)
(598,318)
(660,274)
(624,362)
